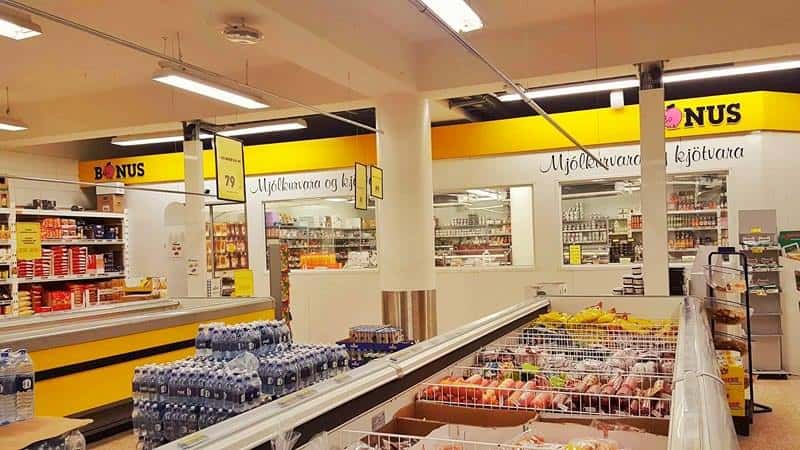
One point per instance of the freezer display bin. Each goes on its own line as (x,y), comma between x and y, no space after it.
(650,383)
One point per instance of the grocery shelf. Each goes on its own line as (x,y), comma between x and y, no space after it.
(693,249)
(474,235)
(582,231)
(5,282)
(694,229)
(5,211)
(83,242)
(696,211)
(69,213)
(488,225)
(765,314)
(585,242)
(5,242)
(57,278)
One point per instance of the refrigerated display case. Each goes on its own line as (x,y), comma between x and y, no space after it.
(373,398)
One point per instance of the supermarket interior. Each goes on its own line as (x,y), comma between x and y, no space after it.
(441,224)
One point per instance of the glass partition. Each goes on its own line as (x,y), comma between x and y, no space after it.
(601,221)
(323,233)
(474,227)
(697,213)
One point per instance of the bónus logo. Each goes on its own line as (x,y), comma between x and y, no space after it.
(699,116)
(119,171)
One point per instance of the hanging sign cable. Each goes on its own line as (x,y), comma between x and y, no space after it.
(506,79)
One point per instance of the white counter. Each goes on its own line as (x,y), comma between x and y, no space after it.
(325,303)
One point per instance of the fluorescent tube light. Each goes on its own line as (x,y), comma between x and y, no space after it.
(457,14)
(669,77)
(254,128)
(745,69)
(9,124)
(267,127)
(152,138)
(17,27)
(337,199)
(183,78)
(577,88)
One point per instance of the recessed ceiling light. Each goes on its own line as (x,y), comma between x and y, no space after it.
(17,27)
(189,80)
(457,14)
(10,124)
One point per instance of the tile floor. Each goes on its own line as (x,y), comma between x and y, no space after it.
(779,430)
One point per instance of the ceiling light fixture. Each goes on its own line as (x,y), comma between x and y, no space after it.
(457,14)
(17,27)
(728,71)
(8,123)
(669,77)
(266,127)
(152,138)
(239,130)
(189,80)
(575,88)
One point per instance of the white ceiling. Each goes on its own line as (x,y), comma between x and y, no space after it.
(338,54)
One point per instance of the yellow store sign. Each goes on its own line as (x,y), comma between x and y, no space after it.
(704,116)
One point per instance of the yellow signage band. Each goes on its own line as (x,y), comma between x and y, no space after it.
(703,116)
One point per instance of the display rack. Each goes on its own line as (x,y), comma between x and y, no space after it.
(730,285)
(473,244)
(302,241)
(114,259)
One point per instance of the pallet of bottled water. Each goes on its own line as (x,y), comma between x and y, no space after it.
(16,386)
(236,368)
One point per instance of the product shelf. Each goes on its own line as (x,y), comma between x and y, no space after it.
(69,213)
(5,242)
(472,235)
(695,211)
(695,229)
(83,242)
(60,278)
(590,229)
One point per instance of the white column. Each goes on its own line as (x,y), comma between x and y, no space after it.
(522,225)
(195,217)
(405,215)
(654,191)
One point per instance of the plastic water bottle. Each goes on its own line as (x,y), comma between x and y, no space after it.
(25,384)
(216,343)
(255,390)
(286,333)
(8,389)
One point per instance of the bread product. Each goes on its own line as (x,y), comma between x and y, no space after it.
(592,444)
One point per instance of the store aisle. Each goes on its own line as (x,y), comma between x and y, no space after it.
(122,441)
(779,430)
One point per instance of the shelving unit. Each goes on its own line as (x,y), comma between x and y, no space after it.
(303,240)
(469,244)
(111,253)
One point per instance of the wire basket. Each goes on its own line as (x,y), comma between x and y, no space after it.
(644,334)
(370,440)
(725,280)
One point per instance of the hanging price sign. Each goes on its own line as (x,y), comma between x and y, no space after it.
(361,186)
(229,156)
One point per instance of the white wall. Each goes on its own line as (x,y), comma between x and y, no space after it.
(763,176)
(41,166)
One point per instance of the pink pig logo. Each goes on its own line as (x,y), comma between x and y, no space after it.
(672,117)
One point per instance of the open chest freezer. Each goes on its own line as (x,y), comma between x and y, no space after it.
(500,373)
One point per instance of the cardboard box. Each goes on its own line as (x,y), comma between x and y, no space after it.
(19,435)
(111,203)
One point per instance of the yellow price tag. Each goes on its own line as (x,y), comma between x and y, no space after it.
(755,230)
(575,254)
(361,186)
(376,182)
(229,155)
(243,283)
(29,241)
